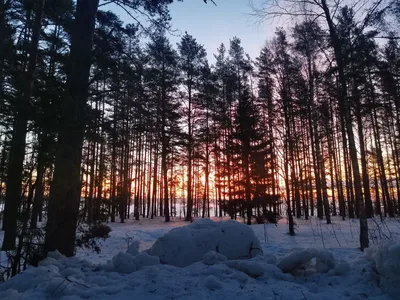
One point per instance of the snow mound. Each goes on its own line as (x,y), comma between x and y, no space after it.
(325,261)
(296,258)
(340,269)
(50,262)
(202,223)
(256,267)
(56,255)
(212,258)
(251,268)
(212,283)
(240,277)
(29,279)
(386,259)
(133,248)
(270,259)
(184,246)
(126,263)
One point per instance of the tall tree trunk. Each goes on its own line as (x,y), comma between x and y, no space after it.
(65,188)
(92,174)
(154,190)
(325,193)
(189,207)
(331,168)
(363,154)
(388,208)
(138,163)
(149,179)
(344,108)
(113,195)
(17,150)
(315,139)
(246,166)
(4,6)
(339,179)
(164,151)
(99,197)
(347,174)
(3,161)
(165,179)
(287,150)
(378,209)
(39,185)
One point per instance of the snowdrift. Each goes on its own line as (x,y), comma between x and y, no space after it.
(386,261)
(126,263)
(184,246)
(296,258)
(281,272)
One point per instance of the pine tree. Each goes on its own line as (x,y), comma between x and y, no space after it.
(163,78)
(17,148)
(283,67)
(192,56)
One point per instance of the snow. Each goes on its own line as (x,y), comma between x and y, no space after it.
(212,283)
(125,269)
(340,269)
(325,261)
(126,263)
(296,258)
(133,248)
(212,258)
(386,260)
(252,268)
(184,246)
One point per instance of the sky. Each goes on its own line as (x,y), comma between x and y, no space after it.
(211,25)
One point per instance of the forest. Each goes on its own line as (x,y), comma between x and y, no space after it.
(102,121)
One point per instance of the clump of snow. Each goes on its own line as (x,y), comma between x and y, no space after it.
(10,294)
(270,259)
(56,255)
(50,262)
(212,258)
(133,248)
(340,269)
(184,246)
(296,258)
(212,283)
(30,279)
(202,224)
(386,259)
(240,277)
(325,261)
(218,270)
(126,263)
(256,267)
(251,268)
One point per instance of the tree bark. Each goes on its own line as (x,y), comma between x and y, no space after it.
(39,185)
(66,186)
(18,141)
(344,108)
(190,150)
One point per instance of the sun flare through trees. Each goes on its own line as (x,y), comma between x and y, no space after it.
(104,121)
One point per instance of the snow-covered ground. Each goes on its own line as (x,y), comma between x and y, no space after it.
(339,271)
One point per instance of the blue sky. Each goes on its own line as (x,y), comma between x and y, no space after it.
(211,25)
